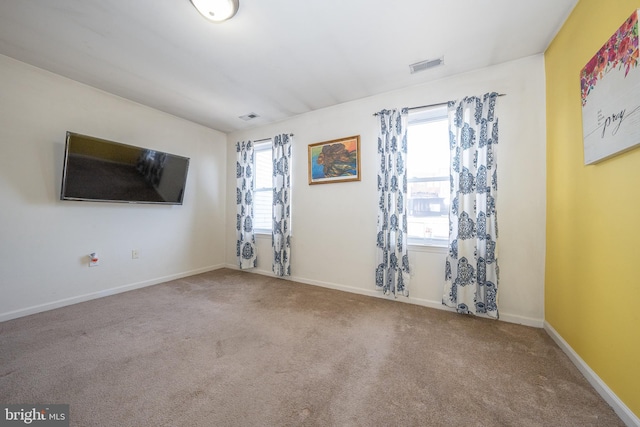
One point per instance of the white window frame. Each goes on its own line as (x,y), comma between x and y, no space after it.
(261,147)
(422,116)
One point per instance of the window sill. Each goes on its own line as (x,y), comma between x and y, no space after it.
(264,234)
(428,248)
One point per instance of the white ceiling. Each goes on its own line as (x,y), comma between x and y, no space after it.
(275,58)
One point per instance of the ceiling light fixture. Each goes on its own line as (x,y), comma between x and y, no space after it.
(217,10)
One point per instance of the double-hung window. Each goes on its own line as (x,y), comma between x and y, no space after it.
(263,191)
(428,159)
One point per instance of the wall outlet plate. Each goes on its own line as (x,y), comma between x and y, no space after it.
(94,260)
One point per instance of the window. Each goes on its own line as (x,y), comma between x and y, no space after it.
(263,192)
(428,177)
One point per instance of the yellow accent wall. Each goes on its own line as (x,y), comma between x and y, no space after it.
(592,279)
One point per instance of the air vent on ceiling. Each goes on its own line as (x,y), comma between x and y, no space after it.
(425,65)
(249,116)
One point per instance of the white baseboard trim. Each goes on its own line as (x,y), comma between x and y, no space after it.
(338,287)
(104,293)
(505,317)
(509,318)
(625,414)
(298,279)
(521,320)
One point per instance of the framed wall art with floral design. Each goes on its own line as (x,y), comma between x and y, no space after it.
(335,161)
(610,86)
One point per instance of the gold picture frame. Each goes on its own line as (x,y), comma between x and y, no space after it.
(337,160)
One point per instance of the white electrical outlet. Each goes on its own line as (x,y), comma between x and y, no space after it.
(135,254)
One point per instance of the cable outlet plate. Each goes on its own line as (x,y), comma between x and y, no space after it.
(135,254)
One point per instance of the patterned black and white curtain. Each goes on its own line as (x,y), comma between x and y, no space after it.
(471,272)
(281,233)
(246,242)
(392,271)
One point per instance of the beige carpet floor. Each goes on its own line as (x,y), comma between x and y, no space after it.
(229,348)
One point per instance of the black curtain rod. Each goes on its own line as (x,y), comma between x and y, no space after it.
(266,139)
(439,104)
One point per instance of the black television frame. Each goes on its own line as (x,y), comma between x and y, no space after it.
(67,194)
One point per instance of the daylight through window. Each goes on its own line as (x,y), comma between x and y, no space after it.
(428,177)
(263,192)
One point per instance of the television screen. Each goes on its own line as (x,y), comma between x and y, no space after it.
(107,171)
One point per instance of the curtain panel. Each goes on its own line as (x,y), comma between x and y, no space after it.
(392,271)
(246,242)
(471,270)
(281,232)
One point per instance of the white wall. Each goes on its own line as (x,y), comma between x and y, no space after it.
(44,242)
(334,225)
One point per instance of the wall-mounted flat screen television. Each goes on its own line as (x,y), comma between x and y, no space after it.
(106,171)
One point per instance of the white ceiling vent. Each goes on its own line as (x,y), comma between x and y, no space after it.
(425,65)
(249,116)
